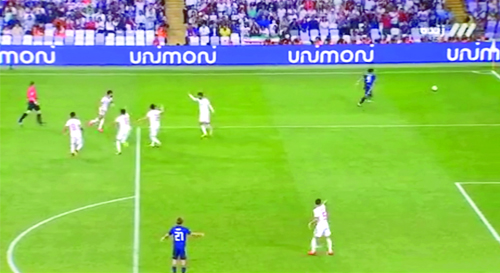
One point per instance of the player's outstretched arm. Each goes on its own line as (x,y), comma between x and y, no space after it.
(197,234)
(193,97)
(164,237)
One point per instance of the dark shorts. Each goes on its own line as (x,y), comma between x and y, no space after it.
(33,106)
(179,254)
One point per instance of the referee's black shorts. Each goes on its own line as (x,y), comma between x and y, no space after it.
(33,106)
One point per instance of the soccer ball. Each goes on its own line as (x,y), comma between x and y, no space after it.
(434,88)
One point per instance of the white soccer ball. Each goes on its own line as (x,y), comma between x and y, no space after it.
(434,88)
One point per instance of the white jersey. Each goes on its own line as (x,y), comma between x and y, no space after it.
(75,127)
(204,106)
(320,213)
(154,118)
(322,227)
(105,102)
(123,122)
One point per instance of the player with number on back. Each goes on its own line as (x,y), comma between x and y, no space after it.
(154,116)
(124,128)
(368,80)
(205,109)
(179,234)
(75,133)
(106,101)
(322,228)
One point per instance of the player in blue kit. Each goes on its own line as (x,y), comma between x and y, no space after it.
(369,80)
(179,233)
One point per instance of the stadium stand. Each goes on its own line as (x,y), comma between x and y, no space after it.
(235,22)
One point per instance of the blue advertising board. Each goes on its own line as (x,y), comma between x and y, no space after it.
(250,55)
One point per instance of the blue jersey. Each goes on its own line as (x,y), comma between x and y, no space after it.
(369,80)
(179,235)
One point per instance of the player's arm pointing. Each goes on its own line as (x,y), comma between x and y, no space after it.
(193,97)
(197,234)
(165,237)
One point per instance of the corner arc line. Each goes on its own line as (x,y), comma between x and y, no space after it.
(13,244)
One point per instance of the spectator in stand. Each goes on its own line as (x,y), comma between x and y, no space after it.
(17,30)
(38,30)
(224,31)
(204,30)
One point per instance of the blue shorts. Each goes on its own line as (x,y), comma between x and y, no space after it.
(179,254)
(368,91)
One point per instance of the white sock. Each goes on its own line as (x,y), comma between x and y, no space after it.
(210,129)
(101,123)
(204,129)
(330,244)
(154,140)
(79,146)
(313,244)
(72,147)
(118,146)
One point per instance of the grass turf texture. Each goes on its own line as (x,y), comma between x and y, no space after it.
(392,200)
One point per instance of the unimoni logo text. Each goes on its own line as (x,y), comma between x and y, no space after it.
(27,57)
(330,56)
(173,57)
(491,53)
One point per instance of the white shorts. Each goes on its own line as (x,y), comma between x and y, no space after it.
(322,230)
(123,134)
(153,131)
(204,119)
(76,141)
(102,111)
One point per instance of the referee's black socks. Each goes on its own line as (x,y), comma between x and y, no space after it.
(22,117)
(39,118)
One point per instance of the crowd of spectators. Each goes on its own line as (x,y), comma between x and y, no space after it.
(286,21)
(34,17)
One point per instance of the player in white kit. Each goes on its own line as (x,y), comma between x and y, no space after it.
(205,109)
(154,116)
(106,101)
(75,133)
(124,128)
(322,228)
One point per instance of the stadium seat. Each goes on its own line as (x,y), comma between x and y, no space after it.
(48,40)
(334,35)
(69,39)
(304,37)
(150,37)
(194,40)
(79,37)
(314,34)
(204,40)
(38,40)
(214,40)
(27,40)
(89,39)
(120,40)
(58,41)
(225,40)
(323,32)
(17,40)
(110,40)
(130,40)
(140,38)
(235,39)
(6,40)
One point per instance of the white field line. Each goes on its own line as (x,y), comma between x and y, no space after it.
(249,73)
(478,183)
(341,126)
(137,204)
(481,216)
(495,74)
(13,244)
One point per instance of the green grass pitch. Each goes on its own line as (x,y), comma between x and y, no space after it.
(283,137)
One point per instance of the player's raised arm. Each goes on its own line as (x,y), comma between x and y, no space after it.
(193,97)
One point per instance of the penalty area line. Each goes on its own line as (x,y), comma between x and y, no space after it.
(495,74)
(137,203)
(13,244)
(476,209)
(341,126)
